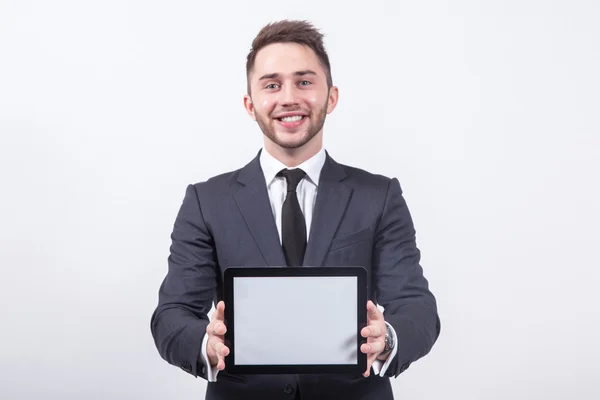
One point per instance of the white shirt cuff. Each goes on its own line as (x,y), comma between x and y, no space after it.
(380,367)
(211,372)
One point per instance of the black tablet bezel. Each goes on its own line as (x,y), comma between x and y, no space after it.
(359,272)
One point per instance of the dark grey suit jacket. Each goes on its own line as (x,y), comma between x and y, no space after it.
(359,219)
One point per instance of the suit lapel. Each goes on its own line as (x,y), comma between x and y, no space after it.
(253,202)
(332,199)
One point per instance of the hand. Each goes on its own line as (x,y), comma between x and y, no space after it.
(215,346)
(375,334)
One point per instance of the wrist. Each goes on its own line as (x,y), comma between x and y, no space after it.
(389,344)
(384,355)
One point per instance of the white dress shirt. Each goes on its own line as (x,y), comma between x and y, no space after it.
(307,194)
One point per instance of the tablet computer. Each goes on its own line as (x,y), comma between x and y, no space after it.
(295,320)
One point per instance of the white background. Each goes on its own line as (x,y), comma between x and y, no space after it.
(487,112)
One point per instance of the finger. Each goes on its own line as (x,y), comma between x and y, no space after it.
(219,313)
(373,330)
(373,313)
(374,347)
(218,328)
(221,351)
(370,361)
(214,343)
(210,347)
(368,371)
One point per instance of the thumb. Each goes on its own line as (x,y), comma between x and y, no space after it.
(220,311)
(372,310)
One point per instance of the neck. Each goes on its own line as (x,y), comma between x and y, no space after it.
(294,157)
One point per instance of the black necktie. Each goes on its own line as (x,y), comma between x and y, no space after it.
(293,226)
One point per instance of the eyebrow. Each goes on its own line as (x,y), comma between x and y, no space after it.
(297,73)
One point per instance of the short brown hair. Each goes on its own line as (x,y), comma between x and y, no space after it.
(287,31)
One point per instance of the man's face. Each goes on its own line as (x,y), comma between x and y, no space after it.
(289,95)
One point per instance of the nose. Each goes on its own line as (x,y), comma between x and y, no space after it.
(288,95)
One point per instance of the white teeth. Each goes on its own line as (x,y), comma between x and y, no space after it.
(292,119)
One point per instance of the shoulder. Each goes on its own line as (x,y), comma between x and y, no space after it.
(217,186)
(361,179)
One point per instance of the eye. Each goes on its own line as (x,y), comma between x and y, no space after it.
(272,86)
(304,83)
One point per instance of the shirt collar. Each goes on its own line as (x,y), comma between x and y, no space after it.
(271,166)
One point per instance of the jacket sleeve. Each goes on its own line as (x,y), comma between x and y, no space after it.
(185,296)
(400,286)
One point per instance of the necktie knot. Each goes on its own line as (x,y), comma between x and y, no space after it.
(292,177)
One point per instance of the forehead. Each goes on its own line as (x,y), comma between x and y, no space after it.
(285,58)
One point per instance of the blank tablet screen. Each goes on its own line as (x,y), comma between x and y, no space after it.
(295,320)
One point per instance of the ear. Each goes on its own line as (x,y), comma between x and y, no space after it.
(249,106)
(332,99)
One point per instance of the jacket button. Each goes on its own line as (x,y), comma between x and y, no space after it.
(288,389)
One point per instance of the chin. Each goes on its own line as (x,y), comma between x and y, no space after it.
(291,140)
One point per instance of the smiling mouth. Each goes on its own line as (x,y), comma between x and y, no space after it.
(294,118)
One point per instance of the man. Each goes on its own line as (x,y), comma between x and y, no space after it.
(294,205)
